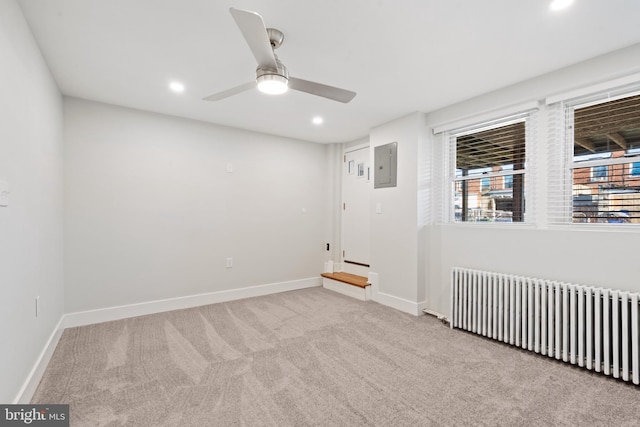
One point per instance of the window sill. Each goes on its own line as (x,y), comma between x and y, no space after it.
(611,227)
(492,225)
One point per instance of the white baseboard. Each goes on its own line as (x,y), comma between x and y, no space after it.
(401,304)
(133,310)
(82,318)
(33,379)
(398,303)
(374,279)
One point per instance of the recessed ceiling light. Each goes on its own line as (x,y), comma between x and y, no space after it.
(560,4)
(177,87)
(317,120)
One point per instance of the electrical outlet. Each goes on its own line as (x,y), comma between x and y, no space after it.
(229,262)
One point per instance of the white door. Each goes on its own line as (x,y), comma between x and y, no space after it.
(356,186)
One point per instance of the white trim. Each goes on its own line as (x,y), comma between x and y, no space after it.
(492,225)
(362,294)
(597,227)
(356,148)
(398,303)
(89,317)
(435,314)
(33,379)
(133,310)
(590,90)
(492,124)
(497,114)
(602,97)
(373,278)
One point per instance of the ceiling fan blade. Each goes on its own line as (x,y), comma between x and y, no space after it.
(255,33)
(230,92)
(330,92)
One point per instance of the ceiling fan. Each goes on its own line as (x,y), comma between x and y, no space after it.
(272,76)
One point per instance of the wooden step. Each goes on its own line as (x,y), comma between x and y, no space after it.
(351,279)
(347,284)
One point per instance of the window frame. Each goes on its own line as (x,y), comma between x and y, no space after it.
(568,215)
(453,177)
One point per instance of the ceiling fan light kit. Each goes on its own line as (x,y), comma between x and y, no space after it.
(272,76)
(272,84)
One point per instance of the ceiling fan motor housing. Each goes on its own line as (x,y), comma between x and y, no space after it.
(276,37)
(264,73)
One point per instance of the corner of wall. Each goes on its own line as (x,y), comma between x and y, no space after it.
(35,375)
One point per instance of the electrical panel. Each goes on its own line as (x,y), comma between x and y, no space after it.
(385,165)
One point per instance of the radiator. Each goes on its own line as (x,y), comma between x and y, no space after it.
(591,327)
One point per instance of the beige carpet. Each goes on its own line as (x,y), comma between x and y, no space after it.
(314,357)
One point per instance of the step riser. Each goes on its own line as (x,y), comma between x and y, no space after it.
(360,270)
(363,294)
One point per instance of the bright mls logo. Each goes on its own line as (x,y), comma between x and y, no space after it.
(34,415)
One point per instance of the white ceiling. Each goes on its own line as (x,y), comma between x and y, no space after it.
(400,56)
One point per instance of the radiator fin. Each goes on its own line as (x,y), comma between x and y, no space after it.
(595,328)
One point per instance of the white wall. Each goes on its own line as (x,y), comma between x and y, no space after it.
(152,213)
(413,254)
(394,232)
(333,212)
(31,227)
(598,257)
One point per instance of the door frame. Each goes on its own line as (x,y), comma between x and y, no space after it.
(345,151)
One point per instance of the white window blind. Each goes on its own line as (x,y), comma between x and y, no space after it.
(594,177)
(486,171)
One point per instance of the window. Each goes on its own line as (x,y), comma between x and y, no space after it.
(485,184)
(604,136)
(599,173)
(507,180)
(489,178)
